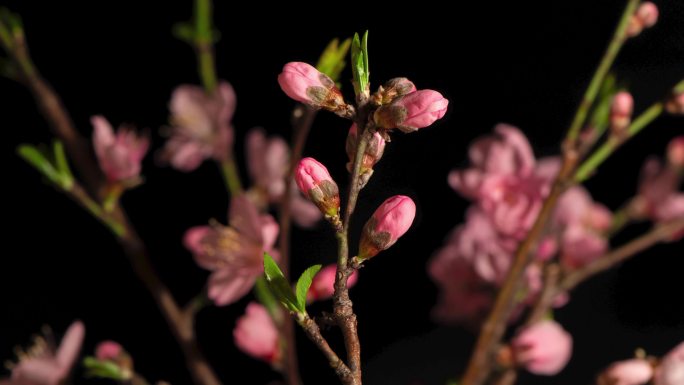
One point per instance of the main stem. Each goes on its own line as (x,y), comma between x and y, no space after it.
(56,114)
(343,307)
(301,127)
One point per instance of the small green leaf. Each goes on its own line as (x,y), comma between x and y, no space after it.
(265,296)
(103,369)
(38,160)
(600,116)
(184,32)
(359,61)
(303,284)
(66,177)
(279,285)
(332,60)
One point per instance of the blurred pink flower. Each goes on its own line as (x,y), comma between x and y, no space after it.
(621,112)
(234,253)
(629,372)
(43,365)
(646,16)
(671,368)
(582,223)
(108,350)
(268,162)
(389,222)
(505,180)
(463,296)
(659,198)
(675,152)
(544,348)
(323,285)
(201,126)
(119,155)
(256,334)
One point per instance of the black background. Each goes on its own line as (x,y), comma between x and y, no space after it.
(525,64)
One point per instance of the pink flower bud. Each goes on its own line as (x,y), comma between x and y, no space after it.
(256,335)
(675,152)
(323,285)
(108,350)
(315,182)
(304,83)
(645,16)
(621,112)
(119,155)
(392,89)
(374,150)
(675,105)
(413,111)
(543,348)
(389,222)
(671,368)
(630,372)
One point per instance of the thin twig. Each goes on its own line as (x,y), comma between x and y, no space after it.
(314,333)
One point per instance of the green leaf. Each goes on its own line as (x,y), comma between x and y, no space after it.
(600,116)
(279,285)
(66,177)
(103,369)
(303,284)
(38,160)
(359,60)
(332,60)
(265,296)
(184,32)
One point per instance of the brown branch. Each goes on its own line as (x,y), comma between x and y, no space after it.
(82,157)
(314,333)
(303,117)
(480,365)
(658,234)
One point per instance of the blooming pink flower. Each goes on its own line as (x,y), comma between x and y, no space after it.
(323,285)
(583,224)
(413,111)
(108,350)
(675,152)
(658,197)
(646,16)
(671,368)
(630,372)
(268,161)
(621,112)
(233,253)
(256,334)
(201,126)
(43,365)
(389,222)
(315,182)
(120,155)
(544,348)
(463,296)
(305,84)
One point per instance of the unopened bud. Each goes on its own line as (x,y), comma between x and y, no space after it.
(636,371)
(675,105)
(413,111)
(393,89)
(675,152)
(304,83)
(389,222)
(371,156)
(315,182)
(621,112)
(646,16)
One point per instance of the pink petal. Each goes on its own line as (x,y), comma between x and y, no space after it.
(304,213)
(227,286)
(70,345)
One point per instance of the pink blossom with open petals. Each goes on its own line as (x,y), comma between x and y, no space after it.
(636,371)
(46,366)
(389,222)
(268,164)
(659,198)
(119,154)
(582,224)
(201,126)
(412,111)
(233,253)
(671,368)
(256,334)
(544,348)
(323,285)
